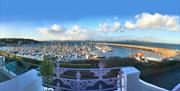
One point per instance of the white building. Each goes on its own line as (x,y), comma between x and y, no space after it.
(2,61)
(28,81)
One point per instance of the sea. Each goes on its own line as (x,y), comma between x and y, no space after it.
(125,52)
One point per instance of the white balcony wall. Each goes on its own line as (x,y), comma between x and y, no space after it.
(28,81)
(134,83)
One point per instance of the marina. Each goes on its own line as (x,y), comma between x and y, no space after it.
(69,51)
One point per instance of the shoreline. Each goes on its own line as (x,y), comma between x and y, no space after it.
(164,52)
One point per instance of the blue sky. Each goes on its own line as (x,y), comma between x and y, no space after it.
(82,19)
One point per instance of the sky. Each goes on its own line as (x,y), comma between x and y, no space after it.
(142,20)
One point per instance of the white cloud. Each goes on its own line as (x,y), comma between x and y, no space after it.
(75,32)
(106,27)
(129,25)
(77,29)
(43,30)
(103,27)
(56,28)
(154,21)
(116,26)
(108,30)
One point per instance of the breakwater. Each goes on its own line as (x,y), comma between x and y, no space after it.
(164,52)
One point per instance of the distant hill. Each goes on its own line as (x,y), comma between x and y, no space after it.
(17,41)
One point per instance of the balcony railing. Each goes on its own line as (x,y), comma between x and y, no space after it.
(99,81)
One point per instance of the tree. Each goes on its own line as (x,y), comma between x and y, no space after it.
(46,71)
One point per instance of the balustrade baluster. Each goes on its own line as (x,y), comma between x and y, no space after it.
(100,71)
(78,76)
(100,87)
(120,75)
(58,87)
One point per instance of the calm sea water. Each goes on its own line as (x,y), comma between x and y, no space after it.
(125,52)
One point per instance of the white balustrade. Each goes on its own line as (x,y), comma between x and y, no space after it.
(78,83)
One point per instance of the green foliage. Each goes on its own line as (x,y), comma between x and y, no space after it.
(46,70)
(15,41)
(18,58)
(145,68)
(71,65)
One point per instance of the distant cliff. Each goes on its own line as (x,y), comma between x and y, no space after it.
(16,41)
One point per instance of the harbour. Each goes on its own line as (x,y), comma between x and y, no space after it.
(69,51)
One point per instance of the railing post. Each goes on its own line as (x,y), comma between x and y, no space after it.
(100,70)
(58,71)
(121,80)
(57,75)
(130,78)
(100,87)
(78,75)
(57,87)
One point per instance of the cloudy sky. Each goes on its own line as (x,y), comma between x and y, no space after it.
(144,20)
